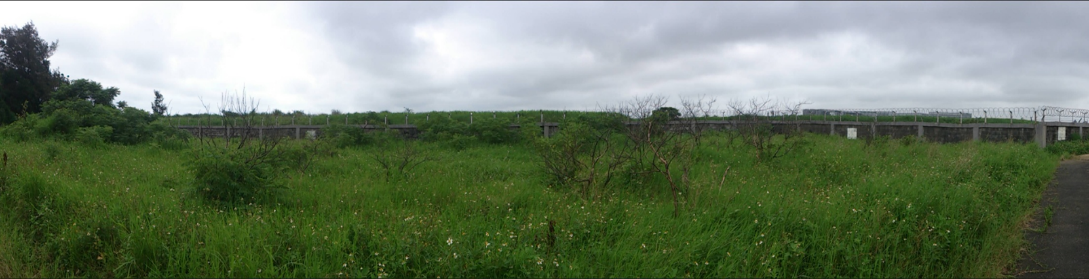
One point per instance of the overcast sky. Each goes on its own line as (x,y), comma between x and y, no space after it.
(363,56)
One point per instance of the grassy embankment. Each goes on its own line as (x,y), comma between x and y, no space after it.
(838,208)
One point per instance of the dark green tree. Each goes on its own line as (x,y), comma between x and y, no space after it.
(25,77)
(84,89)
(665,114)
(158,106)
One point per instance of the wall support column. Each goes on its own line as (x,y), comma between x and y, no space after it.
(975,133)
(920,136)
(1041,134)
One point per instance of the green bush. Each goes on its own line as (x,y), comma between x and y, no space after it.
(52,151)
(443,128)
(236,174)
(85,122)
(23,129)
(459,142)
(1069,147)
(168,137)
(341,136)
(93,136)
(1074,137)
(493,131)
(60,123)
(909,140)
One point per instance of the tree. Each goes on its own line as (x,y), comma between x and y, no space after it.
(665,114)
(25,77)
(84,89)
(157,106)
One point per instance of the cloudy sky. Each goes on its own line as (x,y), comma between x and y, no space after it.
(363,56)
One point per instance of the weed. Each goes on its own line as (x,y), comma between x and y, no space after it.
(924,210)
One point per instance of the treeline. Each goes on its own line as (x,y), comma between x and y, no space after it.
(39,102)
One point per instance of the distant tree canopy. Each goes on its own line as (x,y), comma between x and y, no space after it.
(25,78)
(666,114)
(84,89)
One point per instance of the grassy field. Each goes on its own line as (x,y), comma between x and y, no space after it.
(836,208)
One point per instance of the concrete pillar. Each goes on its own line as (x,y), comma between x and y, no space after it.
(1041,134)
(261,133)
(832,129)
(297,130)
(873,128)
(975,133)
(920,131)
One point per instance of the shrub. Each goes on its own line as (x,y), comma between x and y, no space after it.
(61,123)
(168,137)
(93,136)
(584,157)
(909,140)
(79,118)
(441,128)
(23,129)
(52,150)
(350,136)
(236,174)
(459,142)
(493,131)
(1073,137)
(1069,148)
(400,158)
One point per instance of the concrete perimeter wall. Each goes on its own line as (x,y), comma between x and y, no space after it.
(1043,133)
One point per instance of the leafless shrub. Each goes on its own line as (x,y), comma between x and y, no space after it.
(754,123)
(588,155)
(245,166)
(655,145)
(693,109)
(400,160)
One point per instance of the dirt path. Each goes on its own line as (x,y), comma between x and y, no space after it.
(1062,250)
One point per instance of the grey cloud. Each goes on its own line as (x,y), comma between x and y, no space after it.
(931,54)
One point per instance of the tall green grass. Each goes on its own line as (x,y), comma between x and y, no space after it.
(837,208)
